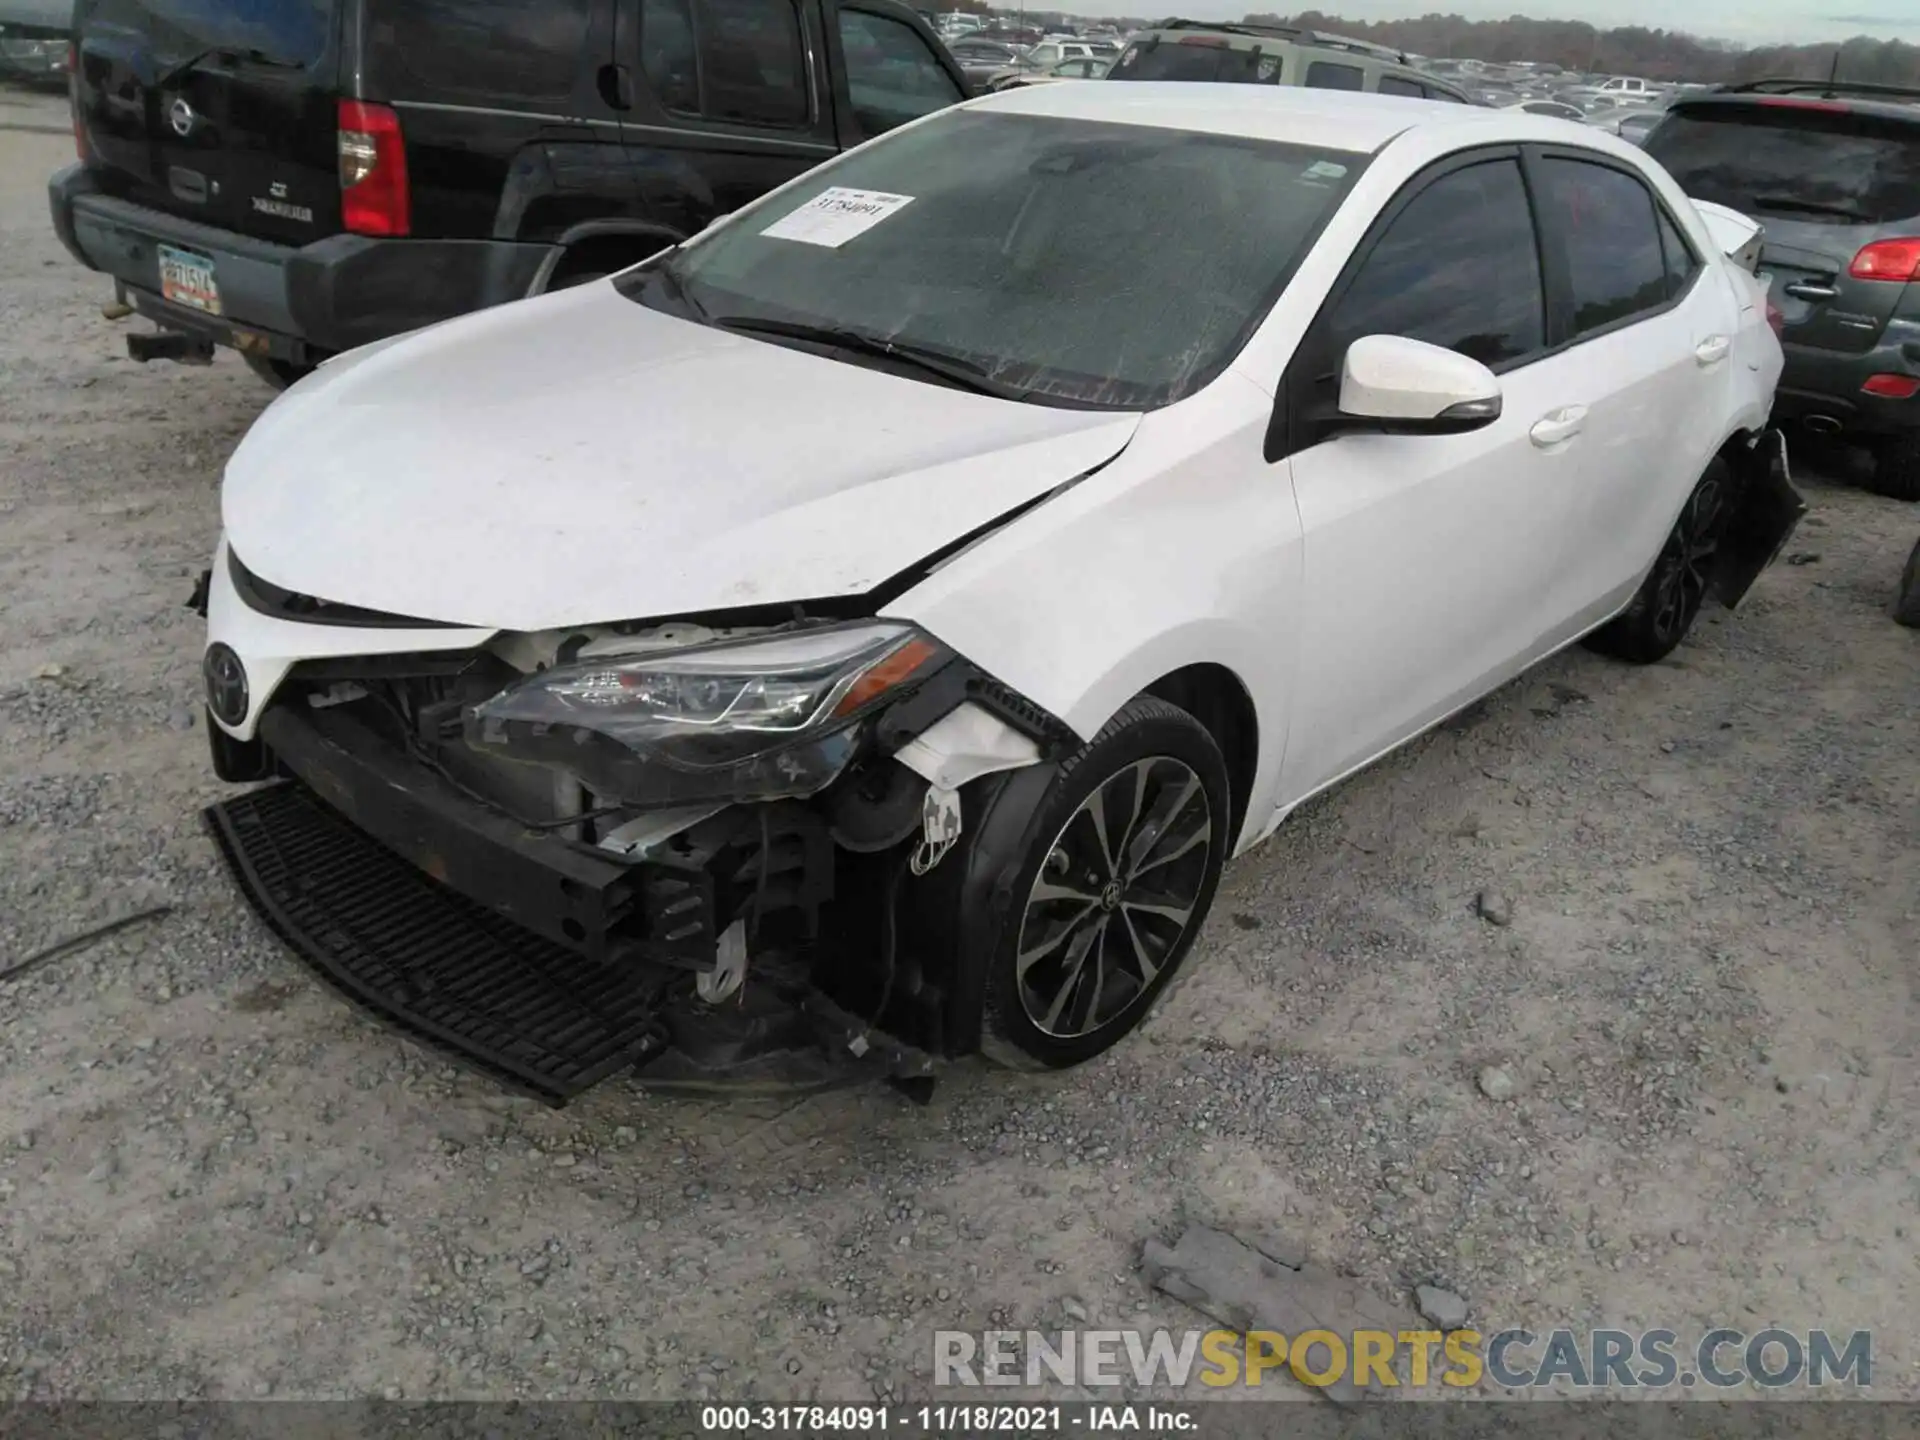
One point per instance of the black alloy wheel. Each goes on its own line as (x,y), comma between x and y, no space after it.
(1670,598)
(1123,858)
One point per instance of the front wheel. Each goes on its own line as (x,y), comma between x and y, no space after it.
(1663,609)
(1122,859)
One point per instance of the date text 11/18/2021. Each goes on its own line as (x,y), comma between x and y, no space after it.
(915,1420)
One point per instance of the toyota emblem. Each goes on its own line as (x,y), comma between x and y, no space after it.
(181,117)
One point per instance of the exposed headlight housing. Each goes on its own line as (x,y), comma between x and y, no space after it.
(761,719)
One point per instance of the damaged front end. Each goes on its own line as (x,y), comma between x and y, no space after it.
(705,852)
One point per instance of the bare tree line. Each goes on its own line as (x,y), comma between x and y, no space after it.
(1628,50)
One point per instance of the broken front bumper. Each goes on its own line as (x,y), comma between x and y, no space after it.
(537,961)
(537,1016)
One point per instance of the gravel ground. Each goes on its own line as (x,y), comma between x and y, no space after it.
(217,1181)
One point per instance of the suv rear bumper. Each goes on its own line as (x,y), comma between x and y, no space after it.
(296,303)
(1826,383)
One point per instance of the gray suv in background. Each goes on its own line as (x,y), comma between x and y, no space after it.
(1249,54)
(1833,171)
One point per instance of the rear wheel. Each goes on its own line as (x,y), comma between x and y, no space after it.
(1123,856)
(277,373)
(1906,604)
(1664,607)
(1896,467)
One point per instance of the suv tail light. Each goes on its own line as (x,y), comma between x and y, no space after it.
(375,198)
(80,146)
(1892,387)
(1895,260)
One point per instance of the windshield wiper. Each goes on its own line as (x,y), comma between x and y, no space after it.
(222,52)
(1808,207)
(954,371)
(670,280)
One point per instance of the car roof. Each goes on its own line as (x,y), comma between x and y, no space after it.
(1357,121)
(1891,102)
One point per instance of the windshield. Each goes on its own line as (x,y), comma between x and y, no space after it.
(288,32)
(1066,261)
(1855,168)
(1199,58)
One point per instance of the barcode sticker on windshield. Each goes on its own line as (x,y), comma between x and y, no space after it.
(835,216)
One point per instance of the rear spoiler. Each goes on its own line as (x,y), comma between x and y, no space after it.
(1738,236)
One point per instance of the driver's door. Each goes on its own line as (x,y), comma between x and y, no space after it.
(1433,563)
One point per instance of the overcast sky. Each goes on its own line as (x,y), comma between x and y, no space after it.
(1801,22)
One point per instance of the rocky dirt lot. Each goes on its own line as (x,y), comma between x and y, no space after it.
(1673,1085)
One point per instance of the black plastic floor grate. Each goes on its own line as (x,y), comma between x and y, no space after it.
(532,1015)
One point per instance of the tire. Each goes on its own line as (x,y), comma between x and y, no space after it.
(569,279)
(1663,610)
(277,373)
(1074,969)
(1906,604)
(1896,467)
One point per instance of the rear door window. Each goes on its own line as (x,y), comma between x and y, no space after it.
(1615,260)
(892,77)
(738,61)
(1813,165)
(528,50)
(1459,267)
(1394,85)
(668,56)
(1682,263)
(1326,75)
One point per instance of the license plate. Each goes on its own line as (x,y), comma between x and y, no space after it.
(186,278)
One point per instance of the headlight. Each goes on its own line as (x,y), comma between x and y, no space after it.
(751,720)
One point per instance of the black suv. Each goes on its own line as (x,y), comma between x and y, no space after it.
(297,178)
(1833,171)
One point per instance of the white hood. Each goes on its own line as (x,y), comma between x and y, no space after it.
(581,458)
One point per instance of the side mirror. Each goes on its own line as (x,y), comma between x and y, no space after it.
(1408,387)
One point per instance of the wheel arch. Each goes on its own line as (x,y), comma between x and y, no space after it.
(602,245)
(1218,698)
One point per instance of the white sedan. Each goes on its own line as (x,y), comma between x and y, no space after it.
(873,624)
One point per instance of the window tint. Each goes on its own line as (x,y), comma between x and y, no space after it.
(1394,85)
(1037,249)
(1325,75)
(750,61)
(1458,267)
(1682,263)
(891,74)
(1820,167)
(1189,60)
(294,32)
(667,54)
(496,49)
(1614,259)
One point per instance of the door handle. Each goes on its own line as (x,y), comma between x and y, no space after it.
(1810,290)
(615,86)
(1556,427)
(1712,350)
